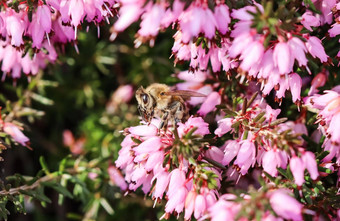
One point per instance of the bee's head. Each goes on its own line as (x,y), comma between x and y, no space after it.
(142,97)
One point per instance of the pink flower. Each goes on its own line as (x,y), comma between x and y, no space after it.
(193,122)
(318,81)
(252,55)
(151,21)
(295,84)
(15,133)
(162,182)
(190,204)
(177,192)
(15,27)
(246,156)
(230,152)
(224,126)
(298,168)
(308,20)
(299,48)
(271,114)
(144,130)
(225,208)
(285,206)
(128,13)
(116,177)
(316,49)
(310,163)
(335,30)
(282,58)
(76,11)
(215,154)
(209,104)
(222,18)
(271,160)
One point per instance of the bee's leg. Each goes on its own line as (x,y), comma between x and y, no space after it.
(164,121)
(179,112)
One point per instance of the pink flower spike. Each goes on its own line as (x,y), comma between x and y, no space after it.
(298,168)
(295,84)
(282,58)
(335,30)
(310,163)
(285,205)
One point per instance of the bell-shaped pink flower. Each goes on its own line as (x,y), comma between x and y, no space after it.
(209,104)
(316,49)
(200,206)
(230,151)
(76,11)
(318,81)
(150,145)
(43,15)
(224,126)
(190,204)
(285,205)
(295,84)
(282,58)
(15,27)
(116,177)
(16,133)
(246,156)
(144,130)
(151,21)
(335,30)
(298,168)
(270,161)
(222,18)
(299,50)
(162,182)
(252,55)
(193,122)
(308,20)
(271,114)
(128,13)
(310,163)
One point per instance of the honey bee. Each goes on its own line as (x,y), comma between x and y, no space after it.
(160,100)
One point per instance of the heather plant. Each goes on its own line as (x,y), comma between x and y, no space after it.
(262,144)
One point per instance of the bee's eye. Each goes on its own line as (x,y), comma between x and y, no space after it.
(162,93)
(145,98)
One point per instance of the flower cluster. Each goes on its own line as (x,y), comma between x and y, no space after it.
(328,107)
(162,164)
(271,53)
(31,32)
(228,206)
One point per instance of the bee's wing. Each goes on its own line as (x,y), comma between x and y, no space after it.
(185,93)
